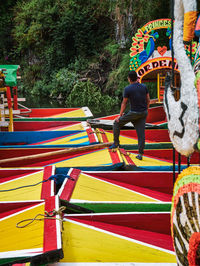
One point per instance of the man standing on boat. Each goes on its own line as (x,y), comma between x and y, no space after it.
(139,99)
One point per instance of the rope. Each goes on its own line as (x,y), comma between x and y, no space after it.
(58,178)
(47,215)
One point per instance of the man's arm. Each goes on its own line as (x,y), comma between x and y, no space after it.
(123,107)
(148,101)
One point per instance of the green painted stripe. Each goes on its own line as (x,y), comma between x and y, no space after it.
(153,146)
(10,261)
(126,207)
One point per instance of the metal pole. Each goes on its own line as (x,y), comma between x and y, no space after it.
(172,80)
(174,166)
(172,37)
(188,161)
(179,163)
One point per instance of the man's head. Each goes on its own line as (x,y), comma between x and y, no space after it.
(132,76)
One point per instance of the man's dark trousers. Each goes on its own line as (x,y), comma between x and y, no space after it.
(138,119)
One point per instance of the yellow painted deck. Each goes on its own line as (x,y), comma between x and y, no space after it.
(100,157)
(75,113)
(87,244)
(123,140)
(92,189)
(78,126)
(79,138)
(148,161)
(24,194)
(16,239)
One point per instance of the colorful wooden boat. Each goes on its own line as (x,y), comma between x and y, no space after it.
(130,136)
(47,125)
(26,184)
(117,186)
(156,119)
(54,114)
(93,157)
(166,154)
(155,139)
(24,239)
(117,239)
(71,138)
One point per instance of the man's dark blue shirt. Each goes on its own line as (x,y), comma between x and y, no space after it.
(137,94)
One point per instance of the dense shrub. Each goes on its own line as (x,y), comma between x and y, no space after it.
(87,94)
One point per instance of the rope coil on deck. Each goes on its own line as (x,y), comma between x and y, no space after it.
(47,215)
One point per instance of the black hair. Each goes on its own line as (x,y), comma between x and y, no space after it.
(132,75)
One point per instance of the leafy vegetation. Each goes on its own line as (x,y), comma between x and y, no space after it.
(71,50)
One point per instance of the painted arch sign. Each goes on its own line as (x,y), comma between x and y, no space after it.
(151,48)
(155,64)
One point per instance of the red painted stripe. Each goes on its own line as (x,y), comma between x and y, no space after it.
(15,98)
(167,155)
(114,156)
(70,185)
(50,232)
(155,135)
(6,175)
(157,222)
(103,135)
(43,112)
(10,153)
(144,179)
(46,186)
(41,125)
(91,135)
(9,100)
(8,208)
(128,159)
(150,228)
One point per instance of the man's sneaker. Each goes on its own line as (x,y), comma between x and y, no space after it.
(139,157)
(114,146)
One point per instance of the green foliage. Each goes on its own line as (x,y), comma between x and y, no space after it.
(61,43)
(118,77)
(57,31)
(145,11)
(152,88)
(112,47)
(6,25)
(64,81)
(87,94)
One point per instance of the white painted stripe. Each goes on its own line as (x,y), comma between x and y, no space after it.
(21,168)
(128,172)
(122,237)
(64,182)
(58,225)
(21,253)
(113,213)
(111,264)
(34,201)
(124,202)
(52,181)
(85,125)
(62,187)
(87,111)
